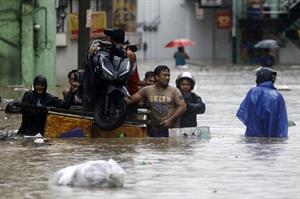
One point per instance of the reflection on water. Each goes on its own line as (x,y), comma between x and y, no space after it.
(226,166)
(265,148)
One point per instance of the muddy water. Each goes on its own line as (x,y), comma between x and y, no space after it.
(226,166)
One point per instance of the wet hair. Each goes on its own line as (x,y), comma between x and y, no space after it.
(149,74)
(40,79)
(71,72)
(161,68)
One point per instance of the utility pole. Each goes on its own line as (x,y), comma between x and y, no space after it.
(84,32)
(213,51)
(233,33)
(107,5)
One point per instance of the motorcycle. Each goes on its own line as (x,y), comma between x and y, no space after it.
(104,84)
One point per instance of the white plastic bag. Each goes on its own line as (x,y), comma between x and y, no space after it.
(98,173)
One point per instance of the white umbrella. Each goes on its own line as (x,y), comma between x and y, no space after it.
(267,43)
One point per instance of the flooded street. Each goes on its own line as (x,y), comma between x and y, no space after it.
(226,166)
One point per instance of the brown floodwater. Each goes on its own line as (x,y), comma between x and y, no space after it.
(225,166)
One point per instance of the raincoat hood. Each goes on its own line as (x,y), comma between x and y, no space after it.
(264,74)
(42,80)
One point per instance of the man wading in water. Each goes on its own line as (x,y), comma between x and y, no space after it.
(165,102)
(33,120)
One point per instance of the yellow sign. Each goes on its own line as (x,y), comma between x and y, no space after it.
(74,24)
(224,20)
(98,24)
(124,12)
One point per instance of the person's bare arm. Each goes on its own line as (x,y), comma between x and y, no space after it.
(134,99)
(131,56)
(178,113)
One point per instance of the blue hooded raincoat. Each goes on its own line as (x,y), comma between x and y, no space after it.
(263,112)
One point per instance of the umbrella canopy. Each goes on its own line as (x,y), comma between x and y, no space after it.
(179,43)
(267,43)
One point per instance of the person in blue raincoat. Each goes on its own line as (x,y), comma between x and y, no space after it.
(263,110)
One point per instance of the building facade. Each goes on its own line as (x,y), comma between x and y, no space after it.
(40,36)
(199,20)
(27,41)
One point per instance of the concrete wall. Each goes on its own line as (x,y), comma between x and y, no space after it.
(27,52)
(66,57)
(46,50)
(10,48)
(289,54)
(174,19)
(66,60)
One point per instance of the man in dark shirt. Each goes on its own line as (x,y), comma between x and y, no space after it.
(185,83)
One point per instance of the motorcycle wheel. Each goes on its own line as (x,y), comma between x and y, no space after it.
(116,114)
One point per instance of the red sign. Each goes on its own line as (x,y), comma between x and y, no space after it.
(224,20)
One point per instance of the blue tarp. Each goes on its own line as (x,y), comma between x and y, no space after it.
(73,133)
(263,112)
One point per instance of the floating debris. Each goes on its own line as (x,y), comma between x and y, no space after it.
(291,123)
(98,173)
(283,88)
(8,135)
(5,101)
(39,141)
(201,132)
(21,89)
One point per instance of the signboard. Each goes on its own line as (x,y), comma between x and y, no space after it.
(199,12)
(124,12)
(88,18)
(224,20)
(215,3)
(211,3)
(73,25)
(97,23)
